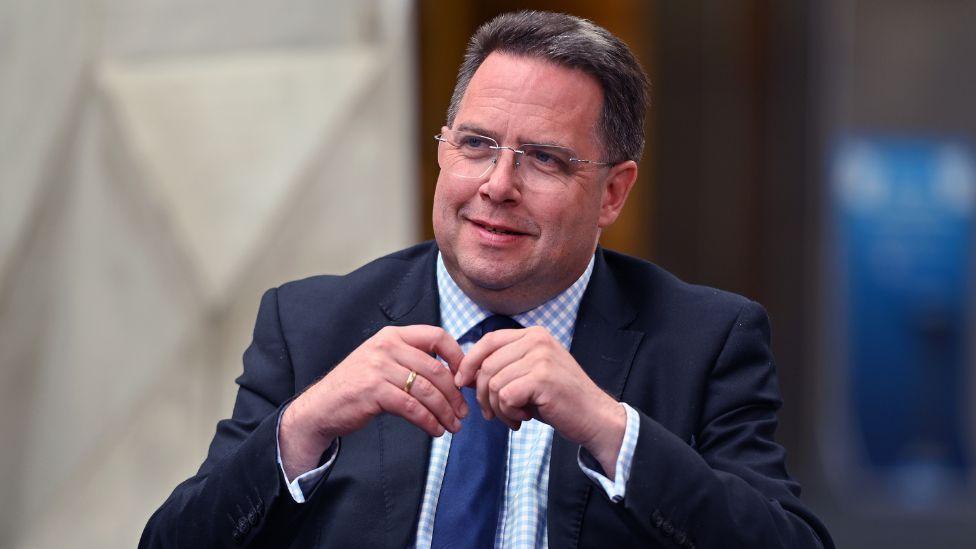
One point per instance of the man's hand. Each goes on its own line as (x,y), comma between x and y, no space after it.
(371,381)
(521,374)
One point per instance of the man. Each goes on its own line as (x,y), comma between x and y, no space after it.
(604,402)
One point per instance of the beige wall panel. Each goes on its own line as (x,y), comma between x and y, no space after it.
(192,156)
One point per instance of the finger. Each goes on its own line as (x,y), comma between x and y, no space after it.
(505,417)
(518,395)
(434,340)
(428,395)
(488,344)
(497,362)
(397,402)
(435,372)
(505,355)
(517,415)
(511,416)
(481,394)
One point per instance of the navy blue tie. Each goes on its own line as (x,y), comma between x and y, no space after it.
(471,494)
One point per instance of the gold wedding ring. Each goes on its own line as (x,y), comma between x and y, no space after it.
(409,383)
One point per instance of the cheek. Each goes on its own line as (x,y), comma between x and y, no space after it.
(442,198)
(448,199)
(571,217)
(450,193)
(576,228)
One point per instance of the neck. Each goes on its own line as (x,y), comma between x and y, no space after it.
(515,299)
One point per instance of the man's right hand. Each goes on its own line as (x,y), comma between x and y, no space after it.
(370,381)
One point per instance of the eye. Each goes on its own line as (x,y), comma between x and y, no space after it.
(548,159)
(473,142)
(544,157)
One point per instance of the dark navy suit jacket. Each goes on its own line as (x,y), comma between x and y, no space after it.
(693,361)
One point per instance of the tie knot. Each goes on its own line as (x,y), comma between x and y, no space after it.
(498,322)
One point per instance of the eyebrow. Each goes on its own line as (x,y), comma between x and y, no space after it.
(488,133)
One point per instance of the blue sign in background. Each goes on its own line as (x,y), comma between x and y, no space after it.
(904,214)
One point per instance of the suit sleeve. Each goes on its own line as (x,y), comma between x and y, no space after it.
(238,497)
(729,488)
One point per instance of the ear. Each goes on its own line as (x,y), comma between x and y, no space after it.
(618,184)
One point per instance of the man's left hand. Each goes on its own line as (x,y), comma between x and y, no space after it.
(524,374)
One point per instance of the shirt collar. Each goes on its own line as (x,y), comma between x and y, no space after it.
(558,315)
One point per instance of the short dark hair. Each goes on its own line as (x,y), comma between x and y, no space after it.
(576,43)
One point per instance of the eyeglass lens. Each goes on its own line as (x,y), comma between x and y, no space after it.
(472,156)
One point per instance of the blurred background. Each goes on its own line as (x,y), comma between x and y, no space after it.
(162,162)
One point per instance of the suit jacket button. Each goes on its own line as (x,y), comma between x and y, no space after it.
(236,534)
(668,529)
(657,519)
(252,517)
(689,545)
(680,537)
(243,525)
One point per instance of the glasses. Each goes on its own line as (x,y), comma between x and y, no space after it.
(472,156)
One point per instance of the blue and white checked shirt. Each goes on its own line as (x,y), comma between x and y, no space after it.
(522,521)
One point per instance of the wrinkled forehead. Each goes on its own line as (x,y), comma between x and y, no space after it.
(531,100)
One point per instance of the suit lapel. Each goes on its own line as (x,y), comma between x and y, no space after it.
(404,448)
(605,349)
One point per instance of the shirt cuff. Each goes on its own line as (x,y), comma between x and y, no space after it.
(306,483)
(616,488)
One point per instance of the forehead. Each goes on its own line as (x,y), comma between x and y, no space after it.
(526,99)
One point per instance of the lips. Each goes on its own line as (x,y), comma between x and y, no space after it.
(496,228)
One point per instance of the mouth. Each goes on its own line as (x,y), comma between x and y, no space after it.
(495,228)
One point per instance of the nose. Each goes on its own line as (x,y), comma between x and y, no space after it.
(504,183)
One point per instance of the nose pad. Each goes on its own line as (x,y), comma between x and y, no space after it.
(501,184)
(516,158)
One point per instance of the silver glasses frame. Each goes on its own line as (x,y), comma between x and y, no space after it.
(519,151)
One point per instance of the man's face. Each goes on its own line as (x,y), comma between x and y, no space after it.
(517,100)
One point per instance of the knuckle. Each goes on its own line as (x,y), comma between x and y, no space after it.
(410,405)
(443,409)
(373,364)
(495,385)
(436,368)
(542,375)
(422,387)
(382,344)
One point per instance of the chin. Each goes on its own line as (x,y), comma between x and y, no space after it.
(489,277)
